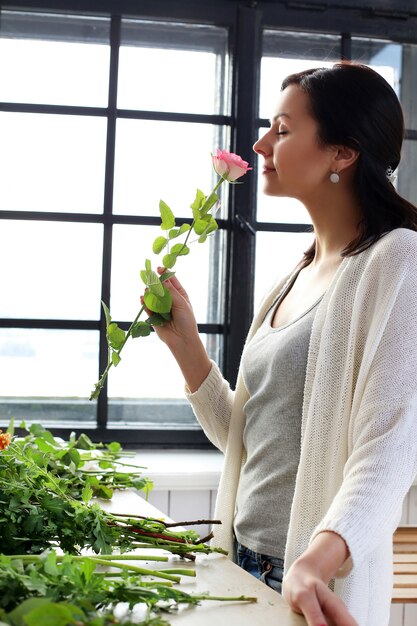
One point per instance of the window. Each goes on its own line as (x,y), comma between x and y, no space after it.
(103,114)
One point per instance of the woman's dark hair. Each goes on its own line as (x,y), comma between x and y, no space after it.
(355,107)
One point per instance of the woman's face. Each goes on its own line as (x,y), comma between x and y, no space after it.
(295,165)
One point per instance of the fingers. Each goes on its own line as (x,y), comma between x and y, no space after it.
(174,282)
(334,608)
(319,605)
(304,600)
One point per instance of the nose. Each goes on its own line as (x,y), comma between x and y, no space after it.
(262,146)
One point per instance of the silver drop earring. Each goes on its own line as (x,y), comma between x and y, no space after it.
(334,177)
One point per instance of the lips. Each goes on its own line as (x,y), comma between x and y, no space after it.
(267,170)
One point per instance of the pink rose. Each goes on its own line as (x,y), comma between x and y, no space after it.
(228,165)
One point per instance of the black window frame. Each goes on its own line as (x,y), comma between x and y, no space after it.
(246,22)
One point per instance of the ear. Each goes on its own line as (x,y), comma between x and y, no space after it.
(344,157)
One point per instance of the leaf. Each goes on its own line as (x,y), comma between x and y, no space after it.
(87,494)
(75,457)
(52,504)
(210,226)
(84,442)
(115,358)
(20,612)
(106,313)
(180,249)
(198,202)
(159,244)
(174,232)
(115,336)
(166,276)
(169,260)
(201,225)
(152,281)
(158,304)
(141,329)
(50,565)
(147,265)
(167,216)
(114,447)
(157,289)
(54,614)
(156,319)
(184,228)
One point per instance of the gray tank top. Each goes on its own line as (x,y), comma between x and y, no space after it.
(273,367)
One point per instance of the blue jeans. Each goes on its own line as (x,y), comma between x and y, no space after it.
(268,569)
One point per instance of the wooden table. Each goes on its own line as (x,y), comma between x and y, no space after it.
(217,575)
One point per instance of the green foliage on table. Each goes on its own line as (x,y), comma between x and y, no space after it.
(86,468)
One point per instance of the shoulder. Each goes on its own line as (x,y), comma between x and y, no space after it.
(396,250)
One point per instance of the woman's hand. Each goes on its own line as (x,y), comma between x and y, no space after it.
(181,336)
(183,326)
(305,586)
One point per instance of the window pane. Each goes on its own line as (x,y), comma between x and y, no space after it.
(407,179)
(408,85)
(281,251)
(383,56)
(167,160)
(54,59)
(148,387)
(285,53)
(52,162)
(172,67)
(53,270)
(47,375)
(199,272)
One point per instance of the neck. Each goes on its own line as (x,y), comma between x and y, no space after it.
(336,223)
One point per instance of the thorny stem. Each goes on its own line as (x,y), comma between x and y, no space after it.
(138,570)
(107,557)
(109,359)
(170,524)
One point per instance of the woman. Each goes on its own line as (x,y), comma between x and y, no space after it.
(320,436)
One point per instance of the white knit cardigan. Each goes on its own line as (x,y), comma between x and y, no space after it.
(359,423)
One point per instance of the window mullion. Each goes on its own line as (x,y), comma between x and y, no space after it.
(102,403)
(245,91)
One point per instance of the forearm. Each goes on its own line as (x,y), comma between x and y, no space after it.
(193,361)
(325,555)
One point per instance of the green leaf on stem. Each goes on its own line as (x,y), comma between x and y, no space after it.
(184,228)
(174,232)
(156,319)
(166,276)
(141,329)
(106,313)
(152,281)
(115,358)
(158,304)
(159,244)
(167,216)
(201,225)
(114,447)
(115,336)
(87,494)
(199,200)
(169,260)
(180,249)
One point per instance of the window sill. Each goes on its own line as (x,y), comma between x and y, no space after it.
(181,469)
